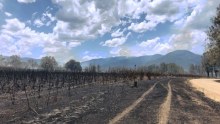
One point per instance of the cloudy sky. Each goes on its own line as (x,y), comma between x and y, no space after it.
(87,29)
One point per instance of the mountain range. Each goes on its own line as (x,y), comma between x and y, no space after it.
(182,58)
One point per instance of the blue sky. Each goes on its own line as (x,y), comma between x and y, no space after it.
(88,29)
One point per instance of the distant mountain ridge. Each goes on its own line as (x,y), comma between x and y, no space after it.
(182,58)
(24,59)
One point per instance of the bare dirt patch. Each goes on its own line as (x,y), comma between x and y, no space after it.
(210,87)
(165,107)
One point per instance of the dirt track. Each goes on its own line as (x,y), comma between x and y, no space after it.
(210,87)
(164,111)
(170,100)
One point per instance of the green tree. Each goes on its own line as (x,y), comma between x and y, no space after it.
(32,64)
(170,68)
(213,33)
(73,65)
(163,67)
(92,68)
(2,61)
(98,68)
(15,61)
(48,63)
(192,69)
(206,62)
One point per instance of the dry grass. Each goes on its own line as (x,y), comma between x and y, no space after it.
(210,87)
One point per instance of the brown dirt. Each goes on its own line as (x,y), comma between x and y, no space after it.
(210,87)
(164,111)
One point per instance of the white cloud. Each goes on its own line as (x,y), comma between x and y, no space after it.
(45,19)
(77,21)
(26,1)
(164,7)
(187,39)
(115,42)
(88,57)
(149,43)
(143,26)
(82,20)
(158,11)
(149,47)
(117,33)
(8,14)
(155,47)
(160,48)
(61,53)
(190,31)
(20,39)
(132,8)
(74,44)
(38,23)
(6,44)
(13,25)
(152,46)
(50,49)
(156,18)
(17,38)
(200,17)
(122,51)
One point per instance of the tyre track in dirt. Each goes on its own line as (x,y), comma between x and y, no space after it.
(127,110)
(147,110)
(164,111)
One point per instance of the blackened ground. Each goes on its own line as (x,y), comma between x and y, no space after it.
(115,101)
(97,104)
(147,112)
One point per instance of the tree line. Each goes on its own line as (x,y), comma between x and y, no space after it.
(166,68)
(48,63)
(211,57)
